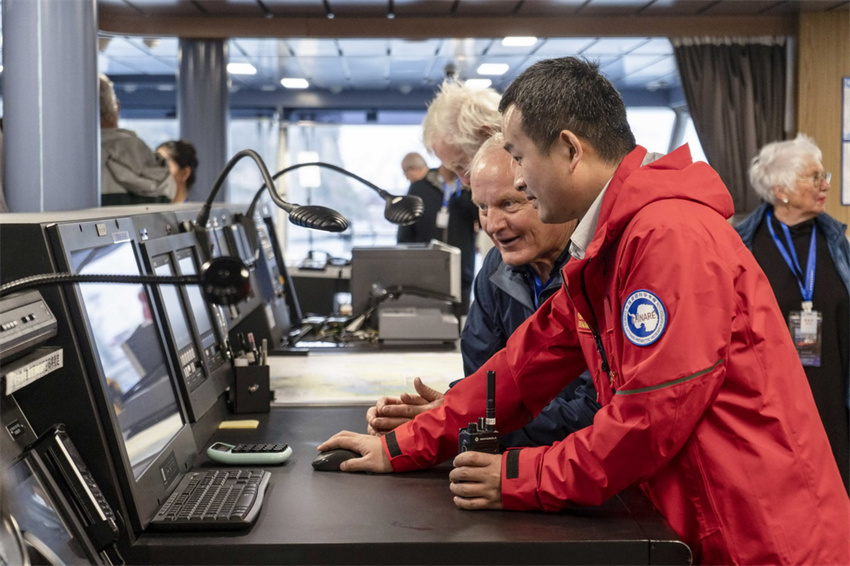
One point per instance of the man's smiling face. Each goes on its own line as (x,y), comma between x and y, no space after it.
(508,217)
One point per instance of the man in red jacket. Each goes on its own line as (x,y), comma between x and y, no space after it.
(704,403)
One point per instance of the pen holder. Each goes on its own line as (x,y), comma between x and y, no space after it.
(251,392)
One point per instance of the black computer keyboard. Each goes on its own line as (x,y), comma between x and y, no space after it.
(213,500)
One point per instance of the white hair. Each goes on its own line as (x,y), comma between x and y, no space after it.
(462,117)
(779,163)
(108,100)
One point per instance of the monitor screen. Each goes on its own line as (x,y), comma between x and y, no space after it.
(433,267)
(199,306)
(129,348)
(173,307)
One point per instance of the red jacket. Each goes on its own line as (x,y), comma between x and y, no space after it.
(705,403)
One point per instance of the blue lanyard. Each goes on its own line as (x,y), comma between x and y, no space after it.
(447,193)
(807,287)
(538,287)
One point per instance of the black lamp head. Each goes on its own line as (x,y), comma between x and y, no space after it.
(318,218)
(225,280)
(403,210)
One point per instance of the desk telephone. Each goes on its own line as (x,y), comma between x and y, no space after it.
(60,457)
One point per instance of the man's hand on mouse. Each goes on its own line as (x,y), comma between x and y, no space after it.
(391,412)
(476,480)
(370,448)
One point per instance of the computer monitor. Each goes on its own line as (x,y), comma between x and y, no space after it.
(274,285)
(237,241)
(50,531)
(218,241)
(209,319)
(432,267)
(194,345)
(275,264)
(134,385)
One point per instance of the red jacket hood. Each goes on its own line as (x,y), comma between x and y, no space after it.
(674,175)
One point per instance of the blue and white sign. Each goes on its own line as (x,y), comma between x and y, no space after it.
(644,318)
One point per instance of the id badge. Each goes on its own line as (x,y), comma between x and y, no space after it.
(443,218)
(805,327)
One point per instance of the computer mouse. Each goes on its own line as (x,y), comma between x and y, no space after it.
(330,460)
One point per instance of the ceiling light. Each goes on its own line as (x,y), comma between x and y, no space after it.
(493,69)
(519,41)
(294,83)
(478,84)
(241,69)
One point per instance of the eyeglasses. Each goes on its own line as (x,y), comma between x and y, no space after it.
(820,177)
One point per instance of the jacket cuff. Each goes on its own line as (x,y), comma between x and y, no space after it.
(519,478)
(393,448)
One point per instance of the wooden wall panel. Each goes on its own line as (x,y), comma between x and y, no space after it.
(823,60)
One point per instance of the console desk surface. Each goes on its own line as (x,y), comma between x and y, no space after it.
(313,517)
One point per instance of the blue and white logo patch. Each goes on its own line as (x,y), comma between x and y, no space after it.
(644,318)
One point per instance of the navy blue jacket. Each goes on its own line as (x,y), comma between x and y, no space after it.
(504,298)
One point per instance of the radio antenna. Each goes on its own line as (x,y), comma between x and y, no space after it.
(490,413)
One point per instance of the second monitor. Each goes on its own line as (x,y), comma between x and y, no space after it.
(413,288)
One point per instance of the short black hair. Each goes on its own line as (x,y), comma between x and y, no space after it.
(570,93)
(184,155)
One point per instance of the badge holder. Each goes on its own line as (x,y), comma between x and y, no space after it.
(805,327)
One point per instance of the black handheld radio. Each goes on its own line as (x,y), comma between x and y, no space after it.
(482,436)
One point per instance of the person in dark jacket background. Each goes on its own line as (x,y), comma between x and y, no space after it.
(428,187)
(789,177)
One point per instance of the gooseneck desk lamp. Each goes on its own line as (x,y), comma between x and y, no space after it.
(307,216)
(401,210)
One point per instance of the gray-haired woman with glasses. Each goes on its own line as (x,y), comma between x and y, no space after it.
(806,256)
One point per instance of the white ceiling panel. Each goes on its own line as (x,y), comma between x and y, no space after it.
(612,46)
(561,47)
(407,48)
(313,47)
(364,47)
